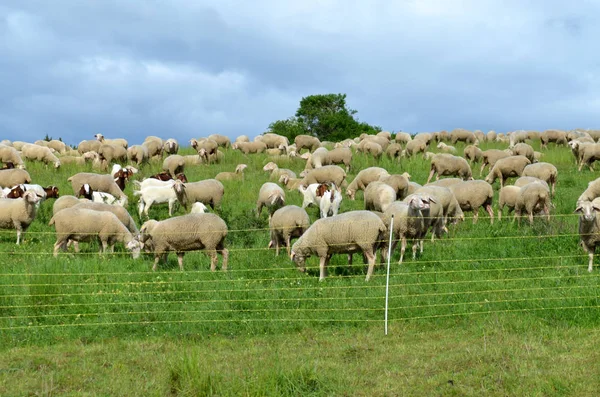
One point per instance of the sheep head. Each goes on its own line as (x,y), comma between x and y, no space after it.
(241,167)
(270,166)
(587,210)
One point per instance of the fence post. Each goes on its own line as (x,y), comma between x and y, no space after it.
(387,278)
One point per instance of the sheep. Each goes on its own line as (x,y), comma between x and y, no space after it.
(490,157)
(18,213)
(115,141)
(473,154)
(448,164)
(415,146)
(446,148)
(445,198)
(592,191)
(507,197)
(385,134)
(7,166)
(307,142)
(523,149)
(187,233)
(138,154)
(589,227)
(330,202)
(379,196)
(402,137)
(171,146)
(198,208)
(363,178)
(394,151)
(82,224)
(544,171)
(447,182)
(290,183)
(317,159)
(506,168)
(462,135)
(159,194)
(271,196)
(249,147)
(110,153)
(372,148)
(325,174)
(120,212)
(9,154)
(398,182)
(13,177)
(524,180)
(174,164)
(286,223)
(556,136)
(412,187)
(433,217)
(57,145)
(44,192)
(276,172)
(532,197)
(588,154)
(272,140)
(40,153)
(345,233)
(153,146)
(242,138)
(205,148)
(425,137)
(338,156)
(517,137)
(88,146)
(230,176)
(474,194)
(491,136)
(67,202)
(209,192)
(98,182)
(87,157)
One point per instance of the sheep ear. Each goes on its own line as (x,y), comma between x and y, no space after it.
(431,200)
(579,209)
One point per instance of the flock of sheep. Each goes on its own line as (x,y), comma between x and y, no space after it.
(97,210)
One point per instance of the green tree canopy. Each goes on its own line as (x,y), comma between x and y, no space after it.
(324,116)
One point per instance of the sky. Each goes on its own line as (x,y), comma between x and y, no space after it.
(190,68)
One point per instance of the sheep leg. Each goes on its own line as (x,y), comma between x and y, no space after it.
(490,211)
(402,249)
(414,249)
(349,259)
(18,236)
(60,244)
(591,262)
(499,213)
(259,207)
(531,217)
(371,260)
(180,260)
(431,175)
(475,215)
(322,268)
(225,255)
(147,207)
(156,260)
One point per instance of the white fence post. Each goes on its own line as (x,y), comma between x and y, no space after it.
(387,279)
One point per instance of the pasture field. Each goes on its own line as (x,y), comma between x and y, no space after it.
(495,308)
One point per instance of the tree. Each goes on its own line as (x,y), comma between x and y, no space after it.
(324,116)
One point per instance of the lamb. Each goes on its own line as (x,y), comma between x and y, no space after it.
(448,164)
(446,148)
(473,154)
(115,141)
(379,196)
(250,147)
(171,146)
(341,155)
(532,197)
(398,182)
(326,174)
(363,178)
(40,153)
(198,208)
(120,212)
(415,146)
(523,149)
(13,177)
(174,164)
(506,168)
(307,142)
(544,171)
(490,157)
(507,197)
(138,154)
(403,137)
(110,153)
(330,202)
(556,136)
(11,155)
(276,172)
(474,194)
(159,194)
(82,224)
(271,196)
(345,233)
(208,192)
(589,227)
(98,182)
(286,223)
(230,176)
(290,183)
(18,213)
(462,135)
(187,233)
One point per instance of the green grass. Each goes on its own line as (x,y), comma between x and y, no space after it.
(516,283)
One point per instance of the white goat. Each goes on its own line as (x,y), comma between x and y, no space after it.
(158,194)
(329,204)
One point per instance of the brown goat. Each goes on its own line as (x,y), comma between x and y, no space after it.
(16,192)
(86,191)
(51,191)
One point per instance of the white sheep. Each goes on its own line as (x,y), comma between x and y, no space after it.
(544,171)
(18,213)
(115,141)
(444,164)
(379,196)
(82,224)
(589,227)
(174,164)
(171,146)
(137,154)
(363,178)
(507,167)
(209,192)
(471,195)
(446,148)
(271,196)
(183,233)
(40,153)
(230,176)
(9,154)
(290,183)
(98,182)
(286,223)
(345,233)
(159,194)
(533,197)
(326,174)
(277,172)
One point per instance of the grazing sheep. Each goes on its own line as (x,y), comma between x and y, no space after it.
(447,182)
(153,146)
(588,154)
(516,137)
(138,154)
(415,146)
(183,233)
(120,212)
(365,138)
(363,178)
(524,180)
(242,138)
(174,164)
(340,155)
(98,182)
(205,148)
(250,147)
(490,157)
(507,197)
(394,151)
(18,213)
(448,164)
(473,154)
(556,136)
(317,159)
(271,196)
(286,223)
(523,149)
(87,157)
(531,198)
(326,174)
(171,146)
(272,140)
(13,177)
(115,141)
(290,183)
(379,196)
(446,148)
(589,227)
(345,233)
(506,168)
(209,192)
(425,137)
(160,194)
(40,153)
(403,137)
(277,172)
(372,148)
(307,142)
(398,182)
(491,136)
(112,152)
(471,195)
(544,171)
(231,176)
(66,202)
(9,154)
(82,224)
(222,140)
(462,135)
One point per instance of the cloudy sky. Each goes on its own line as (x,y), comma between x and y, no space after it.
(189,68)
